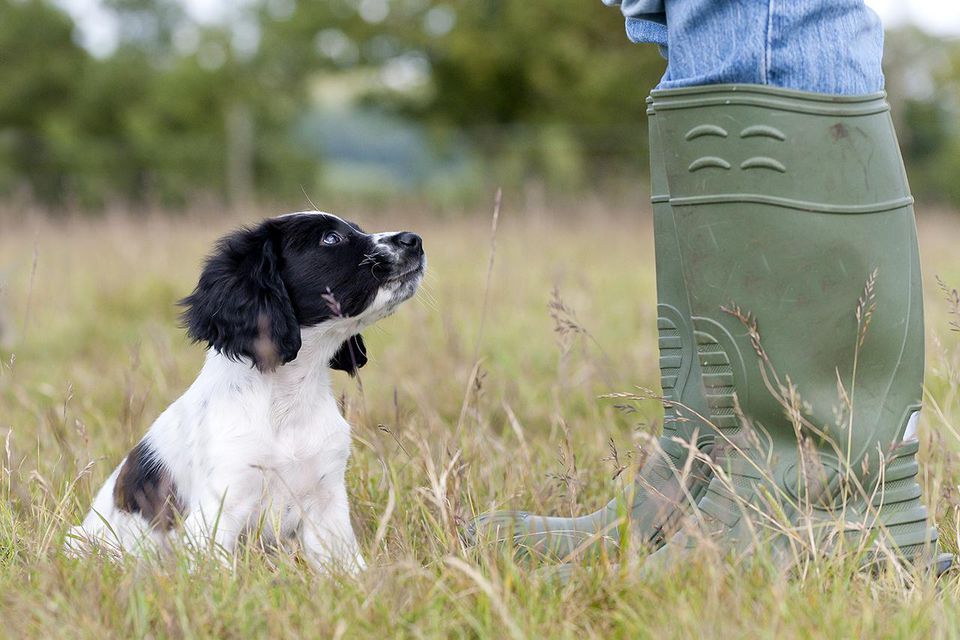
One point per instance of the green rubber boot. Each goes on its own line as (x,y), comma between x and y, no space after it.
(798,254)
(672,479)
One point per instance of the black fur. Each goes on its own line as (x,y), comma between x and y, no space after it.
(351,355)
(144,486)
(241,306)
(263,284)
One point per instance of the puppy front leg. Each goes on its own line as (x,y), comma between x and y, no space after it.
(215,527)
(327,536)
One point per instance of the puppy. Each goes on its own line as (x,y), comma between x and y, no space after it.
(257,445)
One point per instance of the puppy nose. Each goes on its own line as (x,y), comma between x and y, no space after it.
(409,241)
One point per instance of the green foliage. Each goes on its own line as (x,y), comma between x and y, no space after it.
(41,65)
(923,83)
(538,91)
(515,92)
(142,124)
(553,89)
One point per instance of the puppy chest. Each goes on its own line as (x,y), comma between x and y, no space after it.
(301,462)
(297,484)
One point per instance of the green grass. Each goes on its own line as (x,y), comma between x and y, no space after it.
(91,354)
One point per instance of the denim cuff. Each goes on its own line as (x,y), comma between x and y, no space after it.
(649,30)
(652,29)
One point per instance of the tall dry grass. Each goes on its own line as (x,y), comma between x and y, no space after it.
(453,420)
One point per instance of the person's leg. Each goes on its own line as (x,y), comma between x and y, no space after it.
(822,46)
(764,196)
(799,253)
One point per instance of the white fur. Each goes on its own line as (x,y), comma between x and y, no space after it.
(253,452)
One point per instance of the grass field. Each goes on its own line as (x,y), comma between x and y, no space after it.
(91,353)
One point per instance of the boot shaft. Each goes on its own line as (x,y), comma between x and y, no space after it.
(796,247)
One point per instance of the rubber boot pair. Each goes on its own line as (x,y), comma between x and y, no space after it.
(791,337)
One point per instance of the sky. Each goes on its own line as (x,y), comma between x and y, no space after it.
(940,17)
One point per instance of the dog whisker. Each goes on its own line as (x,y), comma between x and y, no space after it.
(424,293)
(427,302)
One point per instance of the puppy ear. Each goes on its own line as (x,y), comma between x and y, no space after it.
(351,355)
(240,306)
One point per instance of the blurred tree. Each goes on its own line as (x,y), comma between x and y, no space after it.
(542,89)
(532,93)
(923,86)
(40,68)
(565,68)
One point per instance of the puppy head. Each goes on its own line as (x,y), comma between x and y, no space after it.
(263,284)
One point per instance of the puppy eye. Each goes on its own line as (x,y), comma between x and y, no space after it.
(332,237)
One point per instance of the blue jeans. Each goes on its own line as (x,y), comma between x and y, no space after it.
(824,46)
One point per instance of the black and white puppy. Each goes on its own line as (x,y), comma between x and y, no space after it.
(257,443)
